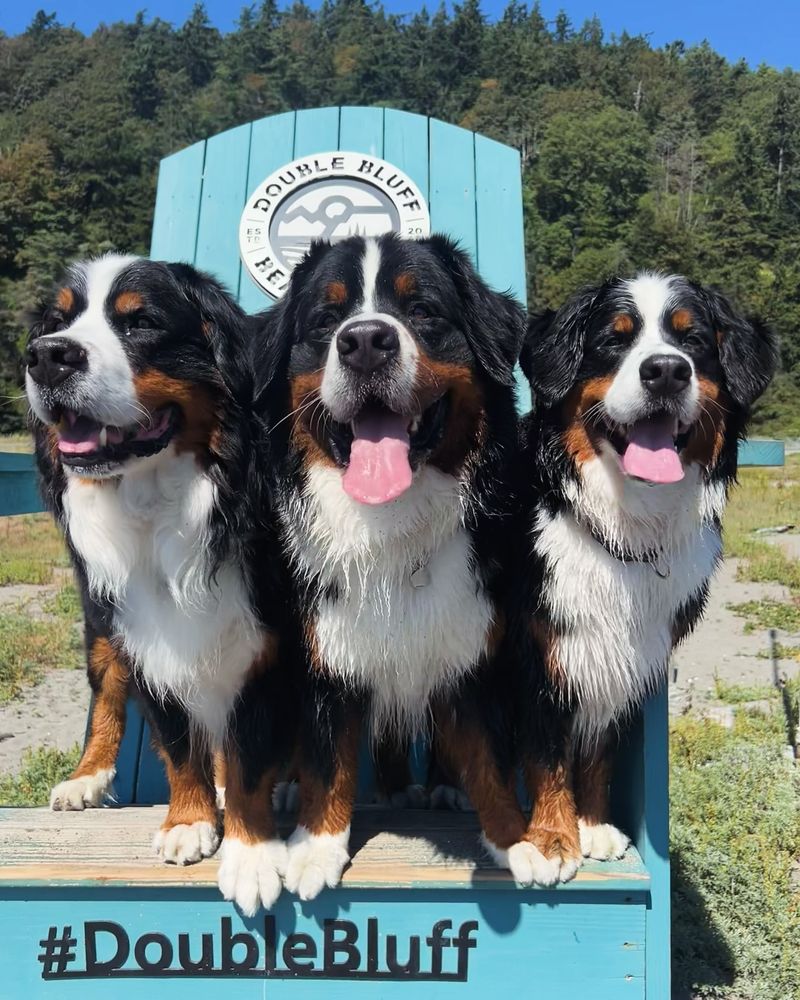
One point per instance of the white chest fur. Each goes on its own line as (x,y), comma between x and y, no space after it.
(408,615)
(615,619)
(144,541)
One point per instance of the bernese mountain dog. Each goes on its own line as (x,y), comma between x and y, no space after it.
(642,390)
(141,399)
(392,365)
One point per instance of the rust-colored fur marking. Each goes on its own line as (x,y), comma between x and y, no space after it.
(682,320)
(248,811)
(329,808)
(108,676)
(576,437)
(336,293)
(308,417)
(65,300)
(466,420)
(623,323)
(192,798)
(405,284)
(465,753)
(708,434)
(554,823)
(154,390)
(545,638)
(128,302)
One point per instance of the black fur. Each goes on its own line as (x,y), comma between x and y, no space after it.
(188,328)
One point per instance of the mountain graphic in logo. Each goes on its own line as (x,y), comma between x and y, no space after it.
(327,196)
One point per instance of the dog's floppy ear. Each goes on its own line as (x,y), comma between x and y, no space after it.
(223,322)
(495,322)
(748,349)
(553,349)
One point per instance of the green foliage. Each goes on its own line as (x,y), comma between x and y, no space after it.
(633,156)
(735,833)
(41,769)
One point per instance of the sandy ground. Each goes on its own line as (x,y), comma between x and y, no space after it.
(53,713)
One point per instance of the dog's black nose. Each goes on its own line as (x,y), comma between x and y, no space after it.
(366,345)
(665,374)
(51,360)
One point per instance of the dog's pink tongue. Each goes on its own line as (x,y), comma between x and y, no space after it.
(651,453)
(78,435)
(379,470)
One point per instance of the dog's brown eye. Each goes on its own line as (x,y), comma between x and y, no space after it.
(140,322)
(419,311)
(327,320)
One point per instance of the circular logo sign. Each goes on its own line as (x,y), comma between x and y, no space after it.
(325,196)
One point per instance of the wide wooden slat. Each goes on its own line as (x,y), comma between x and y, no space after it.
(180,180)
(221,203)
(316,131)
(361,130)
(271,145)
(411,848)
(452,184)
(405,144)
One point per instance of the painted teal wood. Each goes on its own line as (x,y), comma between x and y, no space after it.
(151,780)
(129,755)
(761,451)
(316,131)
(501,245)
(405,143)
(180,180)
(271,145)
(361,129)
(452,184)
(224,194)
(19,485)
(523,943)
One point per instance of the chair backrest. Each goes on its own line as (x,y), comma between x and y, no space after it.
(473,190)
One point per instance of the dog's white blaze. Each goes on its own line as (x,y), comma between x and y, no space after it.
(336,390)
(627,398)
(403,643)
(143,538)
(106,390)
(370,266)
(615,618)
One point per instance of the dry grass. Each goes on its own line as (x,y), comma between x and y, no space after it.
(765,498)
(30,548)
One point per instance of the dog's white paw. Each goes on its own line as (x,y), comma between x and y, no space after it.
(411,797)
(87,792)
(286,796)
(316,861)
(186,843)
(602,841)
(526,862)
(450,797)
(250,874)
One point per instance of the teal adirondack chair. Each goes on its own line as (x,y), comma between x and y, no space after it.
(606,935)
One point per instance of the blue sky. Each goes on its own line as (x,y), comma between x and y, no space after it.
(767,31)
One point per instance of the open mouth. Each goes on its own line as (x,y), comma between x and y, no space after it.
(650,448)
(379,449)
(84,443)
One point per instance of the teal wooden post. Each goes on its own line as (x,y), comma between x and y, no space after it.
(19,490)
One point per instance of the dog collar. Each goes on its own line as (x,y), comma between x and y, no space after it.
(654,558)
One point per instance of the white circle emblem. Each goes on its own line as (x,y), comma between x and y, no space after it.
(325,196)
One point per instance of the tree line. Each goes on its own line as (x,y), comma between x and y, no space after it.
(633,156)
